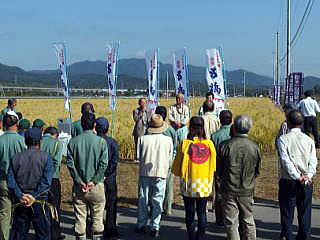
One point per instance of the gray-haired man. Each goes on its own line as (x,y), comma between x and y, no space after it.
(237,168)
(298,162)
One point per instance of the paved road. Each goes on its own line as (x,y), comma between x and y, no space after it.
(173,227)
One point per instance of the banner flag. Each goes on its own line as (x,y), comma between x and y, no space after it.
(151,58)
(111,72)
(294,87)
(180,72)
(277,94)
(215,80)
(60,49)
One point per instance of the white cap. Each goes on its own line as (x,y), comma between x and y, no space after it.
(13,113)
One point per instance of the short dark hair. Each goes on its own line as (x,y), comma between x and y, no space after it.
(208,106)
(209,94)
(31,142)
(140,99)
(87,121)
(12,101)
(162,111)
(87,107)
(295,118)
(308,93)
(20,116)
(225,117)
(196,128)
(52,131)
(9,120)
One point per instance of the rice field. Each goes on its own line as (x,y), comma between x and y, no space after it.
(266,117)
(266,121)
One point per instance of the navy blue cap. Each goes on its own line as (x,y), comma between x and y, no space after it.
(102,123)
(33,134)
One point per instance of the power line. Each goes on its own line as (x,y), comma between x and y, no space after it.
(301,27)
(303,22)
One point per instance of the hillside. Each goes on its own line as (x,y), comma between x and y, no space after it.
(132,74)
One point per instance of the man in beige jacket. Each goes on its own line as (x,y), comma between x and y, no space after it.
(154,153)
(211,121)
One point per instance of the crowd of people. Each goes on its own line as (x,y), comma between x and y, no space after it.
(211,154)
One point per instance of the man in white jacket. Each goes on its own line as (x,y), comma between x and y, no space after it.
(298,162)
(154,153)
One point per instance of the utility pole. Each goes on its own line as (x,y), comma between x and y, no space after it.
(274,68)
(244,84)
(277,62)
(167,86)
(278,89)
(288,37)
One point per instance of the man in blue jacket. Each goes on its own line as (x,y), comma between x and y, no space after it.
(29,178)
(110,179)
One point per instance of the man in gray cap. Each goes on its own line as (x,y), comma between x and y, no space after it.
(154,153)
(29,179)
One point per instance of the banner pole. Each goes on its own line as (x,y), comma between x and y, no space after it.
(112,123)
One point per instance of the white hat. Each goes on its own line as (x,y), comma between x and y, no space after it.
(13,113)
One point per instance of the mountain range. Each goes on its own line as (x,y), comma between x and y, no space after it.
(131,74)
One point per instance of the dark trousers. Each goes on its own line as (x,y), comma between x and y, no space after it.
(292,193)
(55,201)
(218,209)
(110,226)
(191,206)
(37,214)
(310,125)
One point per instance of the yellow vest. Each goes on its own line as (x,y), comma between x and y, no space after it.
(195,164)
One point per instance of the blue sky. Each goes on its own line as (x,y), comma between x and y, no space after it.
(245,29)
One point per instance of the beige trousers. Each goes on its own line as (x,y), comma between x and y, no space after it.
(81,202)
(5,211)
(239,209)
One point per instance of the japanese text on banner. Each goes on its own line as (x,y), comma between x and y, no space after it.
(112,58)
(61,54)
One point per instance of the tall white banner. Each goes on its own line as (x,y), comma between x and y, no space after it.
(111,71)
(152,76)
(180,72)
(214,76)
(61,54)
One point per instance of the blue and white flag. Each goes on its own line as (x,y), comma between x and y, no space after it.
(61,54)
(214,76)
(180,72)
(111,72)
(153,80)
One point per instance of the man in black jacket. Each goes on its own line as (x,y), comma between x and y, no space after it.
(110,182)
(29,178)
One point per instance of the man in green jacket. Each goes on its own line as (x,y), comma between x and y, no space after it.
(217,138)
(76,128)
(238,165)
(11,143)
(51,145)
(12,103)
(87,160)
